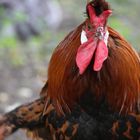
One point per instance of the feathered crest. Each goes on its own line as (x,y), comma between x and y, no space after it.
(99,6)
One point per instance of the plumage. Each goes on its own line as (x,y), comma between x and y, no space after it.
(118,80)
(94,124)
(88,103)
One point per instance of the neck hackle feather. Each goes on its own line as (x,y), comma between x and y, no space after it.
(118,80)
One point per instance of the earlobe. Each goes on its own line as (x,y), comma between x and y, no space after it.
(83,37)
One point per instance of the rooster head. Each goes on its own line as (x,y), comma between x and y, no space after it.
(94,37)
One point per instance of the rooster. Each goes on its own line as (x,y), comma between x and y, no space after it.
(93,87)
(106,66)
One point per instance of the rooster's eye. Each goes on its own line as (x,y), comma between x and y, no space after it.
(100,29)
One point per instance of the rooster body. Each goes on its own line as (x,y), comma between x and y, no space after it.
(117,81)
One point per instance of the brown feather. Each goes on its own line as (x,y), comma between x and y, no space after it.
(118,80)
(121,75)
(63,74)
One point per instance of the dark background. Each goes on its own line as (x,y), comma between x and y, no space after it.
(31,29)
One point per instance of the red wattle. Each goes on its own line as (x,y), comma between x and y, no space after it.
(85,54)
(100,55)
